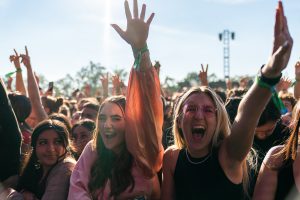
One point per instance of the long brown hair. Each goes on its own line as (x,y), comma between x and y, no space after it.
(110,166)
(31,175)
(289,151)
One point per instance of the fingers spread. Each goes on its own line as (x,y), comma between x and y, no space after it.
(16,52)
(127,11)
(150,19)
(119,30)
(143,12)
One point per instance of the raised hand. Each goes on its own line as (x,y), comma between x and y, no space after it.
(104,81)
(117,83)
(15,59)
(137,30)
(25,58)
(203,75)
(282,46)
(284,84)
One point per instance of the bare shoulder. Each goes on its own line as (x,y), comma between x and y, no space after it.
(274,159)
(171,152)
(170,157)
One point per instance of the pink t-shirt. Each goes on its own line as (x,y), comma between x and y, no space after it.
(81,176)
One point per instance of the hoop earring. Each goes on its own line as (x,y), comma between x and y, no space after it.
(37,165)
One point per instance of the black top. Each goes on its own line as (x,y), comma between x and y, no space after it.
(278,137)
(286,183)
(10,138)
(206,180)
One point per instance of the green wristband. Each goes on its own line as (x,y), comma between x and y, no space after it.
(138,58)
(276,100)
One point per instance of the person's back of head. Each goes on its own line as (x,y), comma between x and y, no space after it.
(52,104)
(86,100)
(270,113)
(21,105)
(221,94)
(237,92)
(232,106)
(62,118)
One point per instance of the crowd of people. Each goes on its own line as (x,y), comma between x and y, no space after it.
(144,143)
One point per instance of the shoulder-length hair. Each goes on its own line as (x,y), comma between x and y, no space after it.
(116,168)
(223,125)
(32,172)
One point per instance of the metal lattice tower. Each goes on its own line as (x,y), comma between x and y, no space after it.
(225,37)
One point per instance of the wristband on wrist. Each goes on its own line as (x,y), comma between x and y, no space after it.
(276,100)
(269,81)
(9,74)
(139,53)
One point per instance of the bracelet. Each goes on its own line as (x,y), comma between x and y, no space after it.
(12,73)
(270,81)
(139,53)
(276,100)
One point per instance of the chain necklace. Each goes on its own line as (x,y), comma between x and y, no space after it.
(196,163)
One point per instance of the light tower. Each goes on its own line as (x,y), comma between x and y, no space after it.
(225,36)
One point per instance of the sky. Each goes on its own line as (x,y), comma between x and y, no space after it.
(63,36)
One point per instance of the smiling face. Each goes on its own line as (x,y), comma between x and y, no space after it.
(198,122)
(112,126)
(49,148)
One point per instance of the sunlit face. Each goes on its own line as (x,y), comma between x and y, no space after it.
(49,148)
(198,123)
(80,137)
(88,113)
(264,131)
(112,126)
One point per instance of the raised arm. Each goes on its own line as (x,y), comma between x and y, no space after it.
(144,114)
(19,78)
(238,144)
(33,90)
